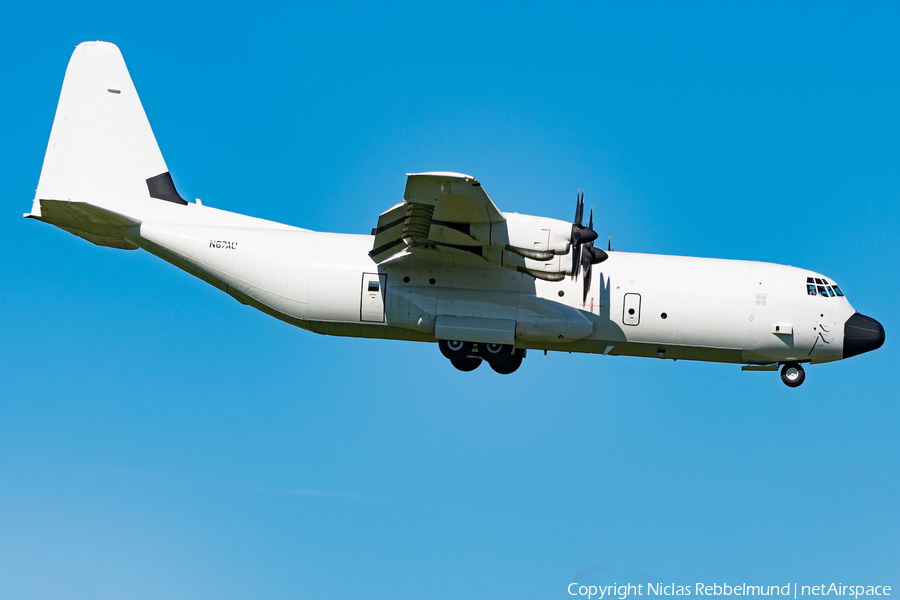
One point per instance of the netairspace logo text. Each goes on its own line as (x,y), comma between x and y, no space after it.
(791,590)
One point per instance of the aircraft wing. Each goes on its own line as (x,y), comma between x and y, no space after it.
(438,210)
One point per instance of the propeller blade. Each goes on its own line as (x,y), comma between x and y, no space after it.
(609,244)
(579,207)
(580,233)
(582,239)
(576,258)
(587,282)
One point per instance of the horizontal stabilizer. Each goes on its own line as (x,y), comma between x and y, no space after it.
(97,225)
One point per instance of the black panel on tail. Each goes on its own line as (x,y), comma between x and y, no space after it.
(163,188)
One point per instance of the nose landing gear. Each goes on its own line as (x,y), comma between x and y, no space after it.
(792,374)
(466,356)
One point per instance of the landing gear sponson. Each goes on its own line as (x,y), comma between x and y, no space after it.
(466,356)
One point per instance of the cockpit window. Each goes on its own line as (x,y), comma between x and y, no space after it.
(821,287)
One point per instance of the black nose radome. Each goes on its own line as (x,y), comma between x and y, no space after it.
(861,334)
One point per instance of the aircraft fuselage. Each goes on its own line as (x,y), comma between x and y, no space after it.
(684,308)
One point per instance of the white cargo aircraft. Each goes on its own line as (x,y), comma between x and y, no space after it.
(445,265)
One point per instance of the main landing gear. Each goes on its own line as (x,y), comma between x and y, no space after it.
(466,356)
(792,374)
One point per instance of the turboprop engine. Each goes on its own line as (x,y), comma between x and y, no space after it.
(544,248)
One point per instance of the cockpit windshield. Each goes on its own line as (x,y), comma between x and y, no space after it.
(820,287)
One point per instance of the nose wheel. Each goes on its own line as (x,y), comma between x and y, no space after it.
(792,374)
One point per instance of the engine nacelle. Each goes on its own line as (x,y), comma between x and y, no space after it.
(537,238)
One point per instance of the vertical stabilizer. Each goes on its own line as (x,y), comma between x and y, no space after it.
(102,151)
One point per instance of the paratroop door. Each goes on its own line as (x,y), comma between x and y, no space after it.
(372,307)
(631,312)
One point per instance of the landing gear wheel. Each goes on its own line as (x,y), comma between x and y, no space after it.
(507,365)
(454,349)
(466,364)
(490,351)
(792,374)
(506,362)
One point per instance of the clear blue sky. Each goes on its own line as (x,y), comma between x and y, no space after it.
(159,440)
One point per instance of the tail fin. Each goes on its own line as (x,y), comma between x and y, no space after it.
(102,151)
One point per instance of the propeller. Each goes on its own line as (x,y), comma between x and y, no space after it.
(590,256)
(580,234)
